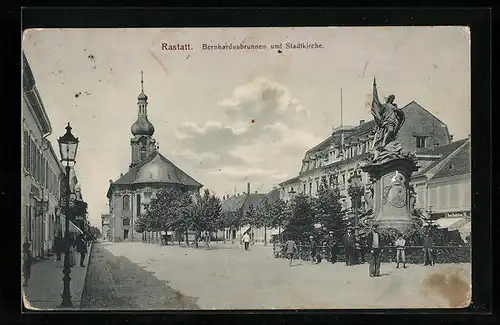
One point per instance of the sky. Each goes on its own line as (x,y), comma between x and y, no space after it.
(229,117)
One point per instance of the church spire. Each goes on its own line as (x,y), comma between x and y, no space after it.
(142,126)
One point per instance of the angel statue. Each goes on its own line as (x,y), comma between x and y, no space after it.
(389,120)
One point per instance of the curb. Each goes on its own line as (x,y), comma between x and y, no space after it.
(86,274)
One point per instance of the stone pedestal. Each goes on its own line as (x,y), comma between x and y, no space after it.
(391,195)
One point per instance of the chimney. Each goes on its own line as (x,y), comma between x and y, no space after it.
(451,137)
(121,174)
(361,122)
(256,192)
(468,136)
(248,187)
(110,181)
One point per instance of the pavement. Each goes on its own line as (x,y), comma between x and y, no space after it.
(45,286)
(114,282)
(228,277)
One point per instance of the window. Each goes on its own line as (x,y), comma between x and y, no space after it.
(143,153)
(310,188)
(126,222)
(126,203)
(26,150)
(304,189)
(420,142)
(138,204)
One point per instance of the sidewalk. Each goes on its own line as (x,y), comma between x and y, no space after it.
(46,284)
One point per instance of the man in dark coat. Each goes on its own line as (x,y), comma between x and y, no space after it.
(332,245)
(27,261)
(349,241)
(427,243)
(81,247)
(374,242)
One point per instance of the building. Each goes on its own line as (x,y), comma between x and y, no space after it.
(41,170)
(105,226)
(149,171)
(238,205)
(443,185)
(335,159)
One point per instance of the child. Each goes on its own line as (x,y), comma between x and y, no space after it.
(400,251)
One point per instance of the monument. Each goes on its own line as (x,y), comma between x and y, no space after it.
(389,168)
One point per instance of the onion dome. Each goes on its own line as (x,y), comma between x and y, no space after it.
(142,96)
(142,127)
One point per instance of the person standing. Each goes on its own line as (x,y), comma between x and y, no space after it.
(349,247)
(246,240)
(58,247)
(358,254)
(332,245)
(81,247)
(27,261)
(400,251)
(429,260)
(291,248)
(313,246)
(375,244)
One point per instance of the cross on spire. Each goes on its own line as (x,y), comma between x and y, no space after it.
(142,81)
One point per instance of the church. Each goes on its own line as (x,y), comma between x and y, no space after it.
(149,172)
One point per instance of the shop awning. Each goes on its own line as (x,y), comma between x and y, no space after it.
(275,232)
(444,223)
(74,229)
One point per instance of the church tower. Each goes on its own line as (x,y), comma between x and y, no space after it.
(142,143)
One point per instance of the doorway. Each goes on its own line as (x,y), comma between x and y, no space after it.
(125,234)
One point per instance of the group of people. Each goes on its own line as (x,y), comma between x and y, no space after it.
(353,251)
(71,245)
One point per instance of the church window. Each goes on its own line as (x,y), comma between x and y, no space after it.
(143,153)
(138,204)
(126,203)
(420,142)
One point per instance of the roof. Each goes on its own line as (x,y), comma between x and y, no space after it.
(234,203)
(459,164)
(445,151)
(273,196)
(252,199)
(290,181)
(157,169)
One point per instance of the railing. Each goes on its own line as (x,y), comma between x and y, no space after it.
(413,254)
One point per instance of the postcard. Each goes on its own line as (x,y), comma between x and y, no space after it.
(246,168)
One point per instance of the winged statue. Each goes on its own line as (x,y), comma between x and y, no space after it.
(388,118)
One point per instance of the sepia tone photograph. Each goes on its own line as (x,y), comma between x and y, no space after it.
(246,168)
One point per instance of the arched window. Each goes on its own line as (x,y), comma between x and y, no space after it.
(126,203)
(138,204)
(126,222)
(143,153)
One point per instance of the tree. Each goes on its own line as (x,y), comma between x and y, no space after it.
(96,232)
(301,220)
(207,216)
(264,216)
(279,214)
(251,217)
(232,220)
(328,209)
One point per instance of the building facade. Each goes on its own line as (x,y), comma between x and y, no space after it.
(41,171)
(336,158)
(149,172)
(443,185)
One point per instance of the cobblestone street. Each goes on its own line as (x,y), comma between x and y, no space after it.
(114,282)
(149,276)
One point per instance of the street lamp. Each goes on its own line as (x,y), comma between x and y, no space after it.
(355,191)
(68,145)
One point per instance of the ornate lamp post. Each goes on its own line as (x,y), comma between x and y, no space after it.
(68,145)
(355,191)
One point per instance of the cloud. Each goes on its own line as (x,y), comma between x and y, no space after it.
(262,135)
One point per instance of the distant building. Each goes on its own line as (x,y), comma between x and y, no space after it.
(335,159)
(238,205)
(105,226)
(443,185)
(149,171)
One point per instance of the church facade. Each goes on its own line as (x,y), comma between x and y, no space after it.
(149,171)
